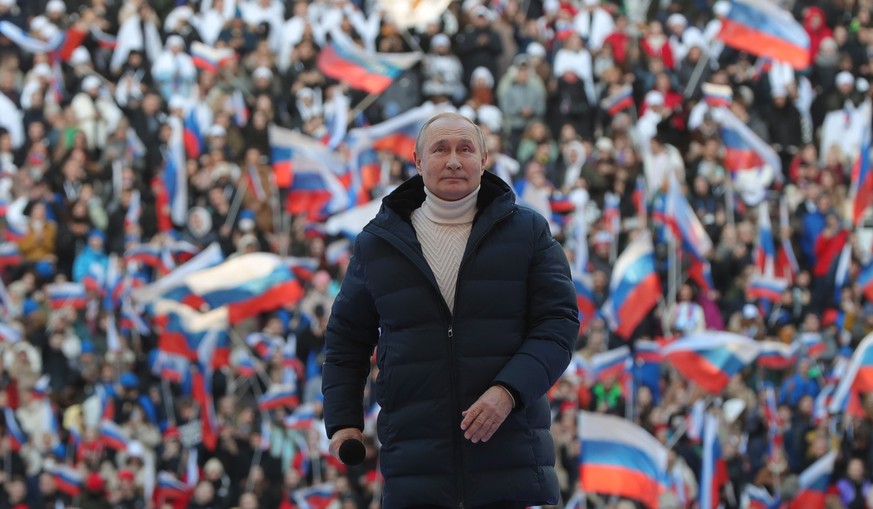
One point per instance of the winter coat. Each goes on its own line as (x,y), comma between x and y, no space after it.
(514,324)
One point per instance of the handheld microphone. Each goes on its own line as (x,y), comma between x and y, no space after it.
(352,452)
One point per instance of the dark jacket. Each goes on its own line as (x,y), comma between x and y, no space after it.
(514,323)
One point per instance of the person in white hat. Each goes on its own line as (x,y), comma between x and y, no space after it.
(174,71)
(96,113)
(443,72)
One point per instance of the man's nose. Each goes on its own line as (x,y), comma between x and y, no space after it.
(453,160)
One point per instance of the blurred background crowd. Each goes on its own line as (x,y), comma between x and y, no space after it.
(594,111)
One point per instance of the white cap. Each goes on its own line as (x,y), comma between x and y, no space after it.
(216,130)
(7,3)
(440,40)
(862,85)
(482,73)
(262,72)
(551,6)
(56,6)
(491,116)
(90,82)
(176,102)
(135,449)
(732,409)
(604,144)
(535,49)
(654,98)
(481,10)
(42,70)
(750,311)
(721,8)
(845,78)
(676,19)
(80,56)
(38,23)
(175,41)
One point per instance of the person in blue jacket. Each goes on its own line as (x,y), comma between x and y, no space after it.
(468,301)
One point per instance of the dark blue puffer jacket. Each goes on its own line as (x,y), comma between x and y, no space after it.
(514,324)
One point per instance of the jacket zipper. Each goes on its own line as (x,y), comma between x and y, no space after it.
(459,457)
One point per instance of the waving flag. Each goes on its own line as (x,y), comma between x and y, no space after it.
(359,69)
(714,473)
(814,482)
(211,59)
(612,214)
(174,282)
(262,344)
(755,497)
(279,396)
(17,436)
(827,251)
(170,367)
(68,480)
(858,377)
(634,288)
(765,250)
(319,496)
(146,254)
(182,328)
(302,418)
(310,172)
(112,436)
(744,150)
(193,135)
(620,458)
(30,44)
(763,28)
(684,223)
(169,487)
(765,288)
(611,363)
(618,101)
(777,355)
(710,359)
(861,184)
(786,263)
(207,352)
(717,95)
(61,295)
(581,278)
(175,176)
(246,285)
(10,255)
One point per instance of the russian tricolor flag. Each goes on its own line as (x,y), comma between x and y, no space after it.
(812,344)
(279,396)
(112,436)
(765,288)
(315,497)
(713,473)
(584,301)
(611,363)
(61,295)
(634,288)
(710,359)
(17,437)
(146,254)
(193,135)
(359,69)
(245,366)
(777,355)
(765,250)
(865,281)
(755,497)
(684,223)
(744,150)
(861,186)
(620,100)
(619,458)
(647,351)
(814,483)
(169,487)
(302,418)
(303,268)
(247,285)
(262,344)
(68,480)
(858,377)
(171,367)
(717,95)
(175,176)
(210,59)
(183,328)
(10,255)
(763,28)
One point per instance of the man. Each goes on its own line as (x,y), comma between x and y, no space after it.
(472,305)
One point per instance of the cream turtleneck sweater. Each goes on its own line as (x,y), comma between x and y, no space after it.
(442,228)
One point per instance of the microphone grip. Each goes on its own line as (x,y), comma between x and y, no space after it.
(352,452)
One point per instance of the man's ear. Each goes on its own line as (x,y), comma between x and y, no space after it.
(484,161)
(417,161)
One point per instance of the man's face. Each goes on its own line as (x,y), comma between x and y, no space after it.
(451,161)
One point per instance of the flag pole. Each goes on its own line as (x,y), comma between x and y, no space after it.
(232,214)
(362,105)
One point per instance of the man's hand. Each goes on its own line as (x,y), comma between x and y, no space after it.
(341,436)
(484,416)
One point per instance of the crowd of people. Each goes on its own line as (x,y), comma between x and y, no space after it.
(92,93)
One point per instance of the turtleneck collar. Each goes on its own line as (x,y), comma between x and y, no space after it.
(450,212)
